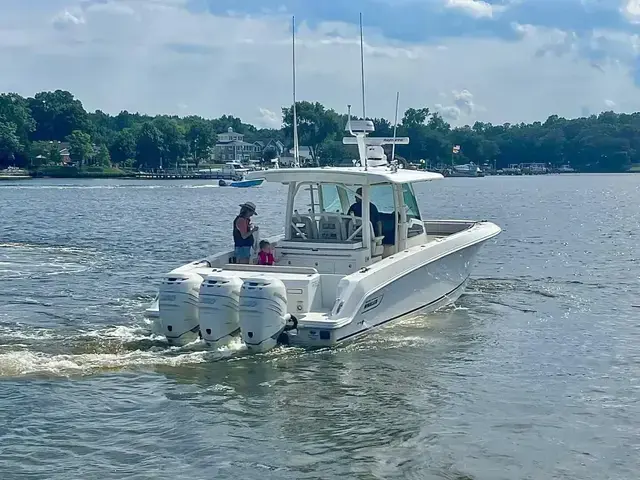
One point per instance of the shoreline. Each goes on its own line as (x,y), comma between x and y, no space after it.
(193,176)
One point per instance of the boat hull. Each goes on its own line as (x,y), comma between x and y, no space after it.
(15,177)
(247,183)
(418,280)
(423,290)
(241,183)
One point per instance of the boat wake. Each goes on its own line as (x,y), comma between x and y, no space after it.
(66,351)
(37,352)
(27,350)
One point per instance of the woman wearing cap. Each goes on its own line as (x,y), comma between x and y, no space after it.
(243,232)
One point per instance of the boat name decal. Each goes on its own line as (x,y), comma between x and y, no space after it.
(371,303)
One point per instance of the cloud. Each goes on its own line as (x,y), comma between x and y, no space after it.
(464,101)
(610,103)
(631,10)
(155,56)
(111,7)
(269,119)
(463,106)
(475,8)
(599,47)
(67,19)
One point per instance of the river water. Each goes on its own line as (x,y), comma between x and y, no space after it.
(534,374)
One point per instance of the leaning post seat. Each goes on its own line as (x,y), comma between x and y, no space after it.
(303,227)
(355,233)
(331,227)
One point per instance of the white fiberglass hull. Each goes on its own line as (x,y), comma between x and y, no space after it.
(423,290)
(420,279)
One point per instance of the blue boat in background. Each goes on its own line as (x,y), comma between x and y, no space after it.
(241,183)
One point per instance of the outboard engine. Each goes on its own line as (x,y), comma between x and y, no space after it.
(263,312)
(178,307)
(218,308)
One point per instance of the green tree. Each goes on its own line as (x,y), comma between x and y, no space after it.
(332,152)
(415,117)
(437,123)
(15,109)
(9,144)
(123,146)
(39,153)
(315,125)
(80,147)
(57,114)
(53,155)
(433,145)
(269,154)
(200,138)
(605,142)
(16,125)
(551,146)
(383,127)
(102,158)
(175,147)
(149,147)
(102,127)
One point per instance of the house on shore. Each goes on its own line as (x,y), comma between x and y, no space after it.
(276,145)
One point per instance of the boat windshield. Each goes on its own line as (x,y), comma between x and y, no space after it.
(381,196)
(331,198)
(410,201)
(316,205)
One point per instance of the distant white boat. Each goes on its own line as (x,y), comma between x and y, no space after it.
(14,173)
(229,171)
(466,170)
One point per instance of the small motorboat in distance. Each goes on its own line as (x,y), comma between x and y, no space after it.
(338,275)
(244,183)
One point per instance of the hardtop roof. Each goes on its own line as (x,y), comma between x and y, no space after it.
(346,175)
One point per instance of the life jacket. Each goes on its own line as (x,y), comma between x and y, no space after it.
(238,241)
(265,258)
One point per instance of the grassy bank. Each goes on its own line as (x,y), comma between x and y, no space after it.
(74,172)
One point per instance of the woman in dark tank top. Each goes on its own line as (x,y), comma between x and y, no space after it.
(243,232)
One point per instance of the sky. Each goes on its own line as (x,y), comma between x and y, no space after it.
(472,60)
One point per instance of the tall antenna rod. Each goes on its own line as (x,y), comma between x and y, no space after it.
(395,128)
(296,154)
(364,111)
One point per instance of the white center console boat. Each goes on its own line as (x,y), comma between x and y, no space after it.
(339,273)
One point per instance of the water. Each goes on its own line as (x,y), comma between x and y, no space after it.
(534,374)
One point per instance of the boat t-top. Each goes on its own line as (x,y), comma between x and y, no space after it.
(338,275)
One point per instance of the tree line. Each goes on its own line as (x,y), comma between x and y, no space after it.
(30,129)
